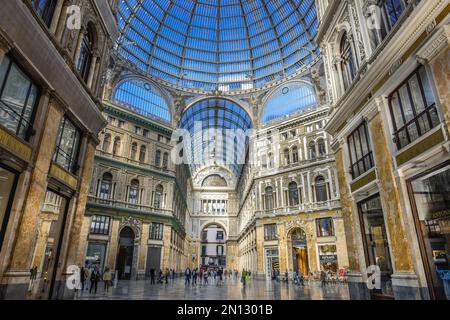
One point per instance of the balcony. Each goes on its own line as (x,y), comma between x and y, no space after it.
(303,208)
(117,204)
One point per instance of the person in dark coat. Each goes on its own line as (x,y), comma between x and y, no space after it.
(187,276)
(152,276)
(95,277)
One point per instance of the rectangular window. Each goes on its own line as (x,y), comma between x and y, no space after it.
(156,231)
(67,145)
(413,109)
(360,150)
(325,227)
(270,232)
(100,225)
(219,235)
(138,130)
(45,9)
(121,124)
(145,133)
(95,255)
(18,96)
(376,243)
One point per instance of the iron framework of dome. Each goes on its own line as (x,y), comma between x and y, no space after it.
(218,44)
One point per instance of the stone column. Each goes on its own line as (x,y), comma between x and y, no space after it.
(395,226)
(26,235)
(80,227)
(56,16)
(113,245)
(92,70)
(166,263)
(260,250)
(282,245)
(143,251)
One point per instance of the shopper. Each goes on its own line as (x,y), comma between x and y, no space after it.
(243,278)
(187,276)
(95,277)
(152,276)
(107,277)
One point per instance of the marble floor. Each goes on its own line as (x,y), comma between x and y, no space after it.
(231,289)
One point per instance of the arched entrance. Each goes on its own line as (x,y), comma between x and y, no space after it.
(213,247)
(299,249)
(124,262)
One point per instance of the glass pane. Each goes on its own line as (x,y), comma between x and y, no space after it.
(7,179)
(428,91)
(406,103)
(432,199)
(16,89)
(396,111)
(3,68)
(376,242)
(416,94)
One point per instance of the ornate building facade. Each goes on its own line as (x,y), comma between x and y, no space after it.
(51,79)
(386,65)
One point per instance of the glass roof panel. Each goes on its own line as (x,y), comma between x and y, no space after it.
(207,121)
(218,44)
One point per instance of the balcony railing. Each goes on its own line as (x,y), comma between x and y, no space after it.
(307,207)
(126,205)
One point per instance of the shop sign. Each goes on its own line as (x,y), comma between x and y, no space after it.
(328,258)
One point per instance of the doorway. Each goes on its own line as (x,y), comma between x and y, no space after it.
(153,260)
(125,255)
(299,251)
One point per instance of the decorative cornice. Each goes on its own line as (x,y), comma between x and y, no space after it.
(435,45)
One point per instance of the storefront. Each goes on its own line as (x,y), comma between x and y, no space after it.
(8,182)
(272,261)
(95,255)
(328,257)
(376,245)
(430,199)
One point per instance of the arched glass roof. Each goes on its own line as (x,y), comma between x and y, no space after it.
(287,100)
(144,98)
(213,124)
(218,44)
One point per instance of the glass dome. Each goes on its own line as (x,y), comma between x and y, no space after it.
(218,44)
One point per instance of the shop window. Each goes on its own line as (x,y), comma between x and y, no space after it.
(348,68)
(293,194)
(269,198)
(86,54)
(44,9)
(270,232)
(95,256)
(325,227)
(328,258)
(360,150)
(376,242)
(100,225)
(321,188)
(18,97)
(106,186)
(156,231)
(158,196)
(430,196)
(413,109)
(67,145)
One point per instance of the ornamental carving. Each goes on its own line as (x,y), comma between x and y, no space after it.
(133,223)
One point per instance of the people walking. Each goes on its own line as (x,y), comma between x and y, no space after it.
(166,275)
(152,276)
(194,276)
(323,278)
(95,277)
(244,278)
(187,276)
(205,277)
(82,278)
(107,277)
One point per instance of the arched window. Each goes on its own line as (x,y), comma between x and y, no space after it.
(144,98)
(287,159)
(157,203)
(321,148)
(165,162)
(321,189)
(347,61)
(289,99)
(106,186)
(142,154)
(116,146)
(45,9)
(158,158)
(133,151)
(295,154)
(312,150)
(133,194)
(86,54)
(268,198)
(293,194)
(106,143)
